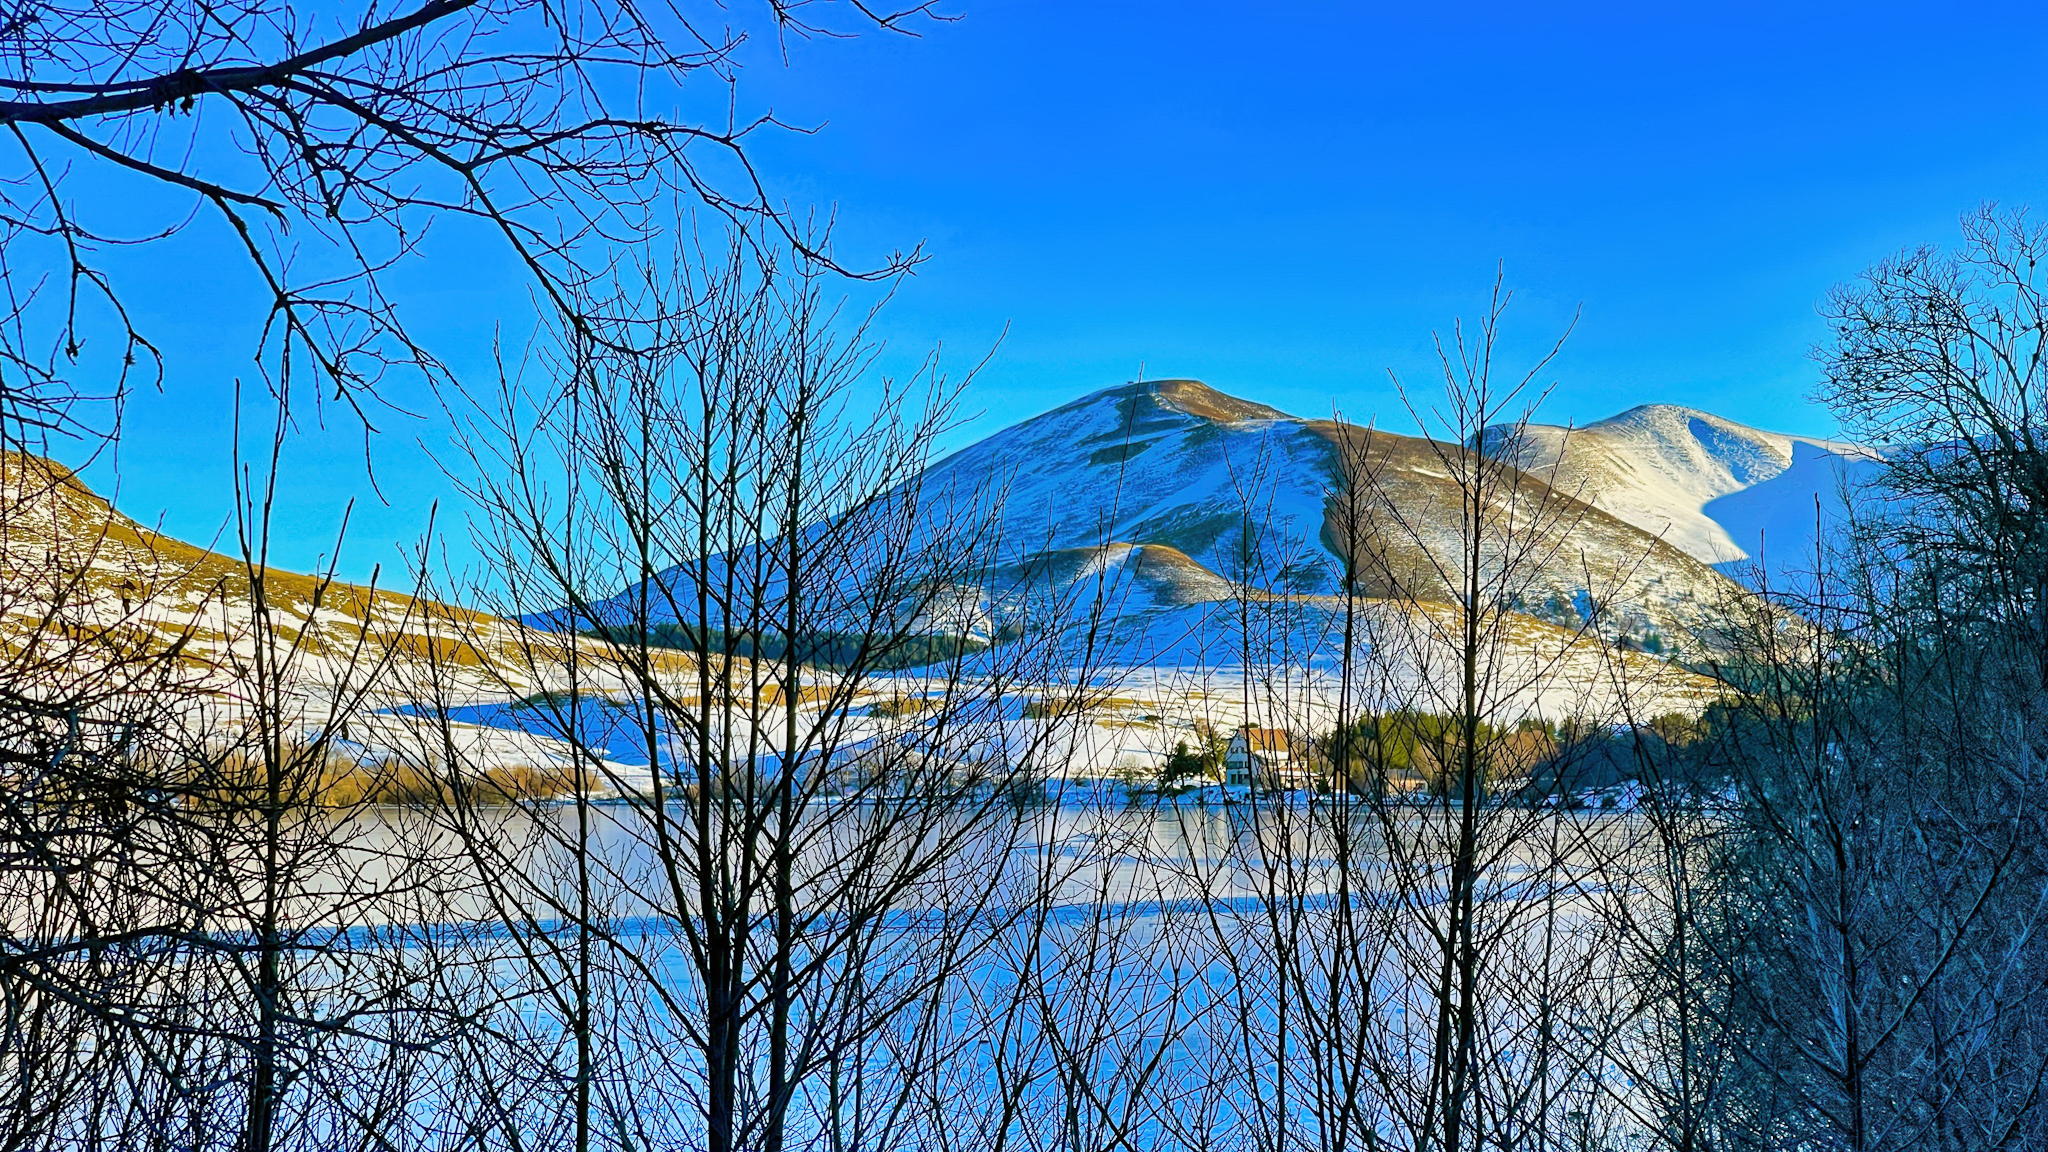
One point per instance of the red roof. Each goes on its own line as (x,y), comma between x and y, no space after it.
(1266,741)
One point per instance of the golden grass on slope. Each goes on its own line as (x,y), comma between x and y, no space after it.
(313,779)
(53,520)
(1203,402)
(68,559)
(440,650)
(773,696)
(407,785)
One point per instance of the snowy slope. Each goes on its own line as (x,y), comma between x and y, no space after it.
(1713,488)
(1203,493)
(1782,519)
(1236,487)
(1152,498)
(84,591)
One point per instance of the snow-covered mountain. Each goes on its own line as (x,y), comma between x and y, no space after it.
(1735,497)
(1235,487)
(1167,500)
(1198,494)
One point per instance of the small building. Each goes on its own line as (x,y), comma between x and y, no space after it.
(1270,759)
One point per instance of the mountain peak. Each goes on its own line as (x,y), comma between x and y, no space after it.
(1655,414)
(1194,398)
(1661,466)
(1138,399)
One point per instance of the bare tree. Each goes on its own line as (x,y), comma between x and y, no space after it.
(1463,937)
(327,144)
(782,670)
(1876,911)
(204,939)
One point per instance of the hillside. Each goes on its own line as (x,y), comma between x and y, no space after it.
(1200,530)
(1724,493)
(1217,493)
(70,556)
(94,605)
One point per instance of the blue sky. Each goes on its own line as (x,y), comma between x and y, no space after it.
(1282,199)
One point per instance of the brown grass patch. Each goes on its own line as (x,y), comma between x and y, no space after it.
(442,650)
(1198,399)
(395,784)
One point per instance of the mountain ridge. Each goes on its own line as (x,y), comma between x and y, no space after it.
(1661,467)
(1244,491)
(1187,497)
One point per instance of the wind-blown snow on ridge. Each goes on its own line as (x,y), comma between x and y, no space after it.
(1720,491)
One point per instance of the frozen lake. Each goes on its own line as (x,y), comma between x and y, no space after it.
(1087,976)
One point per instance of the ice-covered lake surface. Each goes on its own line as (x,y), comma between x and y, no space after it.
(1082,974)
(1085,845)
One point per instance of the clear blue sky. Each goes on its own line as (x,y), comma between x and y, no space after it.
(1282,199)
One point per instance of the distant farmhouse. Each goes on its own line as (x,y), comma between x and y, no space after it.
(1270,759)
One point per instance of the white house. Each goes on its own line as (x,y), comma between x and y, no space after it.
(1273,759)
